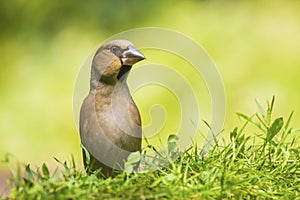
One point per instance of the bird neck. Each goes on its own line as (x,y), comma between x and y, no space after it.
(123,73)
(98,81)
(109,91)
(107,85)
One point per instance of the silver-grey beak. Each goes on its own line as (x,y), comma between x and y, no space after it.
(132,56)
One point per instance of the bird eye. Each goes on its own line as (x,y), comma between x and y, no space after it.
(114,49)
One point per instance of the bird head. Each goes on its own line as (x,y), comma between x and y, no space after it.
(113,60)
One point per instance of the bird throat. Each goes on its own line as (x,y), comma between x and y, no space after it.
(124,69)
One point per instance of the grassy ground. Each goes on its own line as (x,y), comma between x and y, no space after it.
(264,166)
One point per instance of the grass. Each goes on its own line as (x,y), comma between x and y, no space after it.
(260,166)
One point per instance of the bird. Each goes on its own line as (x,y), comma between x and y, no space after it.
(110,122)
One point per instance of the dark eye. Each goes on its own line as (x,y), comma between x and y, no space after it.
(115,49)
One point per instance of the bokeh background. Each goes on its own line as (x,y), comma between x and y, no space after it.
(254,44)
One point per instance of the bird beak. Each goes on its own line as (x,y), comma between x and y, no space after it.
(131,56)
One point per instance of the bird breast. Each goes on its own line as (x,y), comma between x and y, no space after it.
(118,116)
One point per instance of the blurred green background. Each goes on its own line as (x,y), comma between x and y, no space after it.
(255,45)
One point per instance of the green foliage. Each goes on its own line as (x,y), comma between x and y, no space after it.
(132,160)
(54,17)
(238,169)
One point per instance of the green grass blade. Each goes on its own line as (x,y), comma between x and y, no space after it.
(274,129)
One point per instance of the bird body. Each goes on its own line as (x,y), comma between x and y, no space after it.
(110,124)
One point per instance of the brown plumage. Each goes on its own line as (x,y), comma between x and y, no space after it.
(110,124)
